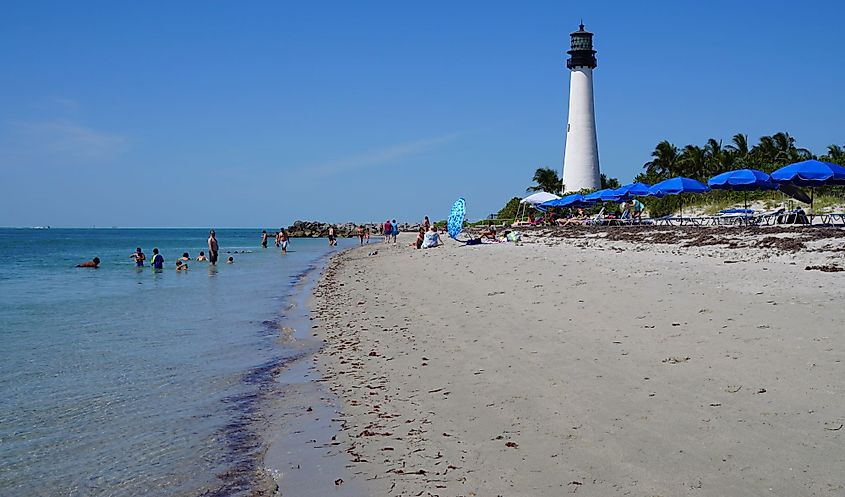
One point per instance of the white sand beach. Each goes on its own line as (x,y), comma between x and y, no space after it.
(583,365)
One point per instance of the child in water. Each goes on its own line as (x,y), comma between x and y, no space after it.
(201,257)
(138,257)
(158,260)
(180,266)
(231,260)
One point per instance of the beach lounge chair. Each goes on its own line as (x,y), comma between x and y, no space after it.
(833,219)
(766,218)
(597,219)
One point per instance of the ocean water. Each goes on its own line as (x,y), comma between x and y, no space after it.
(124,381)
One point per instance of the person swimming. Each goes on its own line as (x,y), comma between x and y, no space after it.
(93,263)
(180,266)
(201,257)
(139,257)
(185,257)
(231,260)
(157,261)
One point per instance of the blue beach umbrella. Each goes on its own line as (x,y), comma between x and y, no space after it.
(573,200)
(743,180)
(605,195)
(609,195)
(632,190)
(677,186)
(810,173)
(455,223)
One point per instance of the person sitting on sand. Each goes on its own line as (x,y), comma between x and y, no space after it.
(139,257)
(93,263)
(489,233)
(431,239)
(420,238)
(201,257)
(181,266)
(230,260)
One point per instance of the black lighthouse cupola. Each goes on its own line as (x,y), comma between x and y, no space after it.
(581,52)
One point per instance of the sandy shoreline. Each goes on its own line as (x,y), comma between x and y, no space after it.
(578,364)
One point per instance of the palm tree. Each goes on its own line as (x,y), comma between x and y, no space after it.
(546,180)
(715,156)
(694,162)
(609,182)
(665,161)
(835,154)
(739,145)
(779,149)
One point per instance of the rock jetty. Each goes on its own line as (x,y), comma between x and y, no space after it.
(317,229)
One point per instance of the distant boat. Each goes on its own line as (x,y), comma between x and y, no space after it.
(40,227)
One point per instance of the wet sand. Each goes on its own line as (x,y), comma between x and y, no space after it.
(590,363)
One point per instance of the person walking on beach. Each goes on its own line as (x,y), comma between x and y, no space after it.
(213,248)
(157,261)
(332,236)
(283,241)
(139,257)
(388,230)
(426,223)
(360,234)
(367,234)
(395,231)
(263,238)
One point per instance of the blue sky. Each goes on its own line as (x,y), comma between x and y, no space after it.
(260,113)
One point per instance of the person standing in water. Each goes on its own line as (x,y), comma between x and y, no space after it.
(283,241)
(213,248)
(332,236)
(263,238)
(361,234)
(138,257)
(157,262)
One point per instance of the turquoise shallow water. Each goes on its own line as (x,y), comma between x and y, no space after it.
(123,381)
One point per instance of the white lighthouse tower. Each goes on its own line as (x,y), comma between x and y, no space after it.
(581,157)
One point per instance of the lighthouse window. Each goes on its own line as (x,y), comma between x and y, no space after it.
(580,43)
